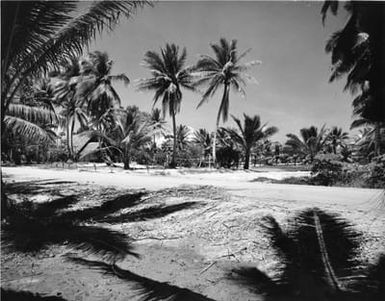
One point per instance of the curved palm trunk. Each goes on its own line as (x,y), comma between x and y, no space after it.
(72,139)
(173,160)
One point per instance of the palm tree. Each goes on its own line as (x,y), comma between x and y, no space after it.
(248,135)
(39,35)
(203,138)
(157,123)
(336,137)
(182,137)
(312,141)
(168,77)
(225,69)
(73,114)
(97,89)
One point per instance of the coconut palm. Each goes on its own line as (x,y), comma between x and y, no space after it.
(97,89)
(182,137)
(337,137)
(224,70)
(169,76)
(73,115)
(157,123)
(204,139)
(39,35)
(248,135)
(311,142)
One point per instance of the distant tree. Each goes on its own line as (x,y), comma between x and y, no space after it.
(157,124)
(248,134)
(203,138)
(224,70)
(169,76)
(337,137)
(311,142)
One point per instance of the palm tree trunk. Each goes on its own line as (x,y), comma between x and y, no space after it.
(247,159)
(377,139)
(72,139)
(173,160)
(214,143)
(68,138)
(225,91)
(126,158)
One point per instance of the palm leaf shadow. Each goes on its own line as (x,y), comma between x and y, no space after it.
(145,288)
(32,187)
(318,261)
(33,227)
(99,212)
(11,295)
(149,213)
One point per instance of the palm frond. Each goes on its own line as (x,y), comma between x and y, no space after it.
(36,115)
(26,129)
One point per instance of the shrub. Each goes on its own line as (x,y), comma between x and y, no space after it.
(326,170)
(227,157)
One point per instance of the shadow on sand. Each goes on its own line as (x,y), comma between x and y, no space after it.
(318,252)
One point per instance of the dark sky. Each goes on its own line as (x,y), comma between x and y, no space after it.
(288,37)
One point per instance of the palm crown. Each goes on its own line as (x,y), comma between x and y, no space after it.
(250,133)
(311,143)
(168,77)
(225,69)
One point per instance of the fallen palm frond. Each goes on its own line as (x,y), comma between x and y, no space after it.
(318,252)
(144,288)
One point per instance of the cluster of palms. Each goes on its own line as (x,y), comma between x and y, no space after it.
(88,103)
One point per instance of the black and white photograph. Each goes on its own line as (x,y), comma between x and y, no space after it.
(192,150)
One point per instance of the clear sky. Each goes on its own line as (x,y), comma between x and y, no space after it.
(288,37)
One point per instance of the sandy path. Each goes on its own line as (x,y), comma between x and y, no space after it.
(237,184)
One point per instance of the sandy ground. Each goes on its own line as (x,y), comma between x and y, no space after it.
(194,248)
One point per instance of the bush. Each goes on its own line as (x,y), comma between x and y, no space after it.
(329,170)
(326,170)
(227,157)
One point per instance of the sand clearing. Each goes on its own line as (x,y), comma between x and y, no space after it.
(192,248)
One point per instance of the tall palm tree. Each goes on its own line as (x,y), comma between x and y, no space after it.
(248,135)
(169,76)
(39,35)
(224,70)
(311,142)
(337,137)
